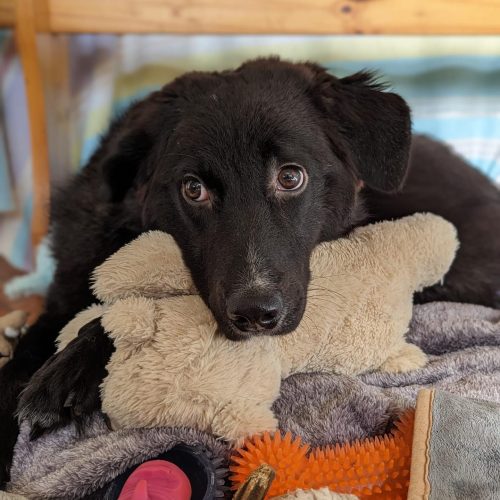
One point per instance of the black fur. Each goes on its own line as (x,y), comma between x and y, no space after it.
(234,129)
(439,181)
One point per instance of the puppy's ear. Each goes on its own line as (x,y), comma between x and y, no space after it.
(369,129)
(125,150)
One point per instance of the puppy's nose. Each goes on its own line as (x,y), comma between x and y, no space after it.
(253,313)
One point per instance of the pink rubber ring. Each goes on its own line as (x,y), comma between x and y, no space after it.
(156,480)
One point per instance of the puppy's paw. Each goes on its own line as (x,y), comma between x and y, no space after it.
(66,387)
(408,358)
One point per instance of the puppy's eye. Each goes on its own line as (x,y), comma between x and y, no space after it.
(194,190)
(290,178)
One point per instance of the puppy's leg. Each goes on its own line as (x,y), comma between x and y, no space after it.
(66,388)
(407,358)
(32,351)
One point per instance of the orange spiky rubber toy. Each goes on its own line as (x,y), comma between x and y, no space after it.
(375,468)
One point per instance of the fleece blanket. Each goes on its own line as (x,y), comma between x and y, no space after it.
(464,346)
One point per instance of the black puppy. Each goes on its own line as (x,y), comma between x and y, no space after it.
(248,170)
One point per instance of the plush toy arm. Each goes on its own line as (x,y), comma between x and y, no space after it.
(70,331)
(423,244)
(131,322)
(150,266)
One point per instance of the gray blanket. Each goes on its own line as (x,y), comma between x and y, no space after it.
(464,344)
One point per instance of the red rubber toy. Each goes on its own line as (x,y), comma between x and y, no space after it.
(156,480)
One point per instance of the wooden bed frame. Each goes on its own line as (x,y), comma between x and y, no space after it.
(29,17)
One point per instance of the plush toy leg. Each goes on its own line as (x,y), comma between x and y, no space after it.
(409,357)
(236,421)
(12,323)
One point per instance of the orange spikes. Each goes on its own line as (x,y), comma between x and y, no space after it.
(376,468)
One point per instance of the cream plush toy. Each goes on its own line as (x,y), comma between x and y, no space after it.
(172,367)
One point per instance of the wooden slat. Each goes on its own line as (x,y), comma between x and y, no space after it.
(26,45)
(54,55)
(271,16)
(7,15)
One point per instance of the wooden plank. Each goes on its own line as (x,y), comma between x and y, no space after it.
(271,16)
(26,45)
(7,15)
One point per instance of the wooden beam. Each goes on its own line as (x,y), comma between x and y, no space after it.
(27,48)
(7,14)
(271,16)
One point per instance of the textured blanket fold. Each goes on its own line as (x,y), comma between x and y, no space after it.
(464,341)
(456,448)
(67,465)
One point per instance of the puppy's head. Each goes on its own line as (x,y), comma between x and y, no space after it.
(250,169)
